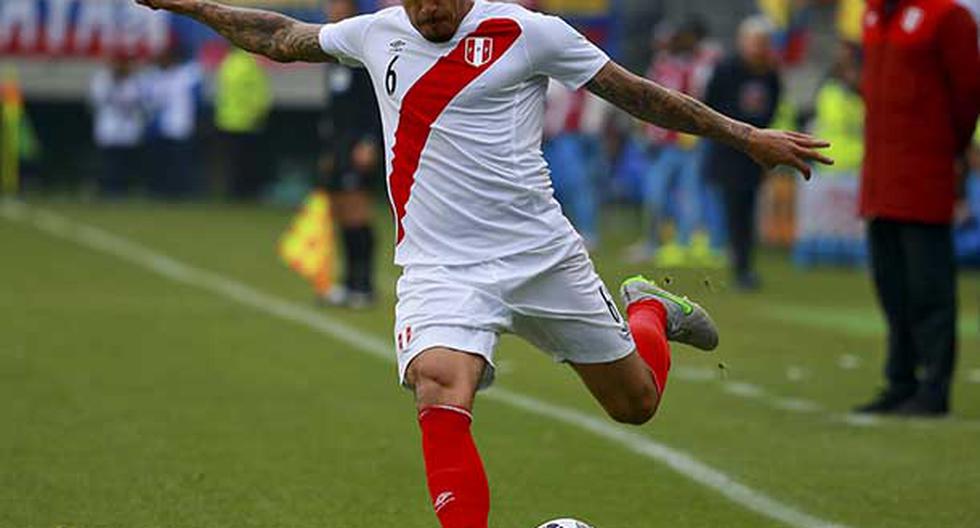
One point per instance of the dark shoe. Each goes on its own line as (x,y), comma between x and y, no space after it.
(886,403)
(922,407)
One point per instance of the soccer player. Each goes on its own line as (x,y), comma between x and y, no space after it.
(484,245)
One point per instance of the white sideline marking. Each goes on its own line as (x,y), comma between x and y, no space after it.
(750,391)
(743,389)
(860,420)
(679,461)
(848,362)
(795,373)
(796,405)
(694,373)
(506,366)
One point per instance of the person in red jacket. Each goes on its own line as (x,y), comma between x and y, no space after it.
(922,89)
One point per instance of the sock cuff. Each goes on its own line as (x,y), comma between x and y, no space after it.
(445,410)
(648,304)
(649,301)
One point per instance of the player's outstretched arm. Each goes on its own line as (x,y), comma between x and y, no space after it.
(665,108)
(276,36)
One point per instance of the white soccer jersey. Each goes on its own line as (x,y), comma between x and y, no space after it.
(463,126)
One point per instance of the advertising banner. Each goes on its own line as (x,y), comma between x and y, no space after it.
(79,28)
(89,28)
(42,29)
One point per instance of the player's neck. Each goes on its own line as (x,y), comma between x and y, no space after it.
(468,6)
(465,8)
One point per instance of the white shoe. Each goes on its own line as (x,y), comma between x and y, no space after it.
(359,300)
(337,296)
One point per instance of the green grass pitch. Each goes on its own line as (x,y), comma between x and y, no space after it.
(128,399)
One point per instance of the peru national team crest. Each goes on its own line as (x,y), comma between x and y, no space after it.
(479,51)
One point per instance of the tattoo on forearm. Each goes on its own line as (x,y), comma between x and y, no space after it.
(665,108)
(276,36)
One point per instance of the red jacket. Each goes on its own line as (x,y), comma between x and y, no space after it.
(922,90)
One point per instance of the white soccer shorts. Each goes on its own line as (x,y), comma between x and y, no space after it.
(552,298)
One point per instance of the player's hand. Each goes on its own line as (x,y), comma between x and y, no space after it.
(772,148)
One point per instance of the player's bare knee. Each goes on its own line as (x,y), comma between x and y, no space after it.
(441,379)
(637,409)
(435,387)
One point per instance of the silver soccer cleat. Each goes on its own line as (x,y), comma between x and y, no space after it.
(687,322)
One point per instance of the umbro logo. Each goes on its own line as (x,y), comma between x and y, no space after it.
(443,500)
(397,46)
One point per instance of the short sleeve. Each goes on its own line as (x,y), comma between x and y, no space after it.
(344,40)
(558,51)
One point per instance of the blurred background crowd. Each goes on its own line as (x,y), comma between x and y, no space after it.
(106,100)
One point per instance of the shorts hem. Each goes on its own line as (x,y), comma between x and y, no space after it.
(472,341)
(601,359)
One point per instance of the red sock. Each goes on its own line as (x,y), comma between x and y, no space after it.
(648,323)
(457,482)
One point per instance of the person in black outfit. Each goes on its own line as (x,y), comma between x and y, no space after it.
(350,166)
(746,87)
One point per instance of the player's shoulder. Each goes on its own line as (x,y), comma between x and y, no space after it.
(366,21)
(396,11)
(371,26)
(520,14)
(392,13)
(502,9)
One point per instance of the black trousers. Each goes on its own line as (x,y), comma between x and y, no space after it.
(175,176)
(915,276)
(359,258)
(741,199)
(243,165)
(121,167)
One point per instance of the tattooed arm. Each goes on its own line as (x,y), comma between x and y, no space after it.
(665,108)
(276,36)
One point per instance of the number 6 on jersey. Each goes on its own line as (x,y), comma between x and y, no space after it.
(391,77)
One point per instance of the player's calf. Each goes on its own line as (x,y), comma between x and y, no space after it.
(624,388)
(445,383)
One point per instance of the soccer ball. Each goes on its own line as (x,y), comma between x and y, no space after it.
(564,523)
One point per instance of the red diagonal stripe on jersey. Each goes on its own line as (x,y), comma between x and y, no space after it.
(428,98)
